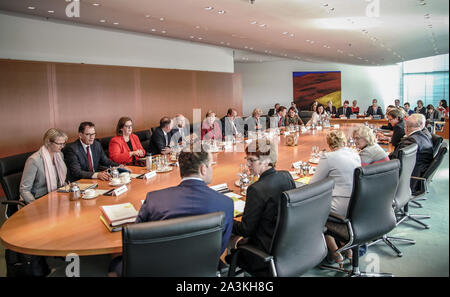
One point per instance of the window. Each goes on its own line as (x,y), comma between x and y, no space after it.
(425,79)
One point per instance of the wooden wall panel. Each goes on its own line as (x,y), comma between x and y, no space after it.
(100,94)
(35,96)
(25,109)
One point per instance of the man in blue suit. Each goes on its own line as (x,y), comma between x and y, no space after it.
(191,197)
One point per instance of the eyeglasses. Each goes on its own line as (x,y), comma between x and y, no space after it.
(90,134)
(128,126)
(251,160)
(59,144)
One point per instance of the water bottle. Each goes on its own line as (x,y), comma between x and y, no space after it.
(148,163)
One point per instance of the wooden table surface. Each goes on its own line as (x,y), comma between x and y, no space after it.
(55,226)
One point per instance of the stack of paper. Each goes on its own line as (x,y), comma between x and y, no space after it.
(221,188)
(118,215)
(239,204)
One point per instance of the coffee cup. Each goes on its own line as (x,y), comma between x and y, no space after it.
(125,179)
(115,181)
(89,193)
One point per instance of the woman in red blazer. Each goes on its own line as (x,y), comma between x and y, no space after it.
(125,147)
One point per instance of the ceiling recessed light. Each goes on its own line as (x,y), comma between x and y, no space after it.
(191,37)
(197,27)
(292,35)
(102,21)
(209,8)
(254,22)
(161,19)
(147,16)
(199,38)
(285,33)
(95,4)
(153,30)
(221,12)
(31,7)
(51,11)
(115,23)
(262,25)
(163,32)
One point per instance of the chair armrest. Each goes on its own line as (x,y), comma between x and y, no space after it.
(13,202)
(336,218)
(255,251)
(418,178)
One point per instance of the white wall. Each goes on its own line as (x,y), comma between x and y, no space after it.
(266,83)
(30,38)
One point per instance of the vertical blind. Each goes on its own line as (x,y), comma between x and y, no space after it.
(425,79)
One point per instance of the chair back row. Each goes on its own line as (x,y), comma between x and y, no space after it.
(407,157)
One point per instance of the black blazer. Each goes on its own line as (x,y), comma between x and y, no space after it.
(261,208)
(371,112)
(399,132)
(77,162)
(422,110)
(271,112)
(158,141)
(332,111)
(348,111)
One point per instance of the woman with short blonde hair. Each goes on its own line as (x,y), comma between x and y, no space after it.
(336,139)
(366,141)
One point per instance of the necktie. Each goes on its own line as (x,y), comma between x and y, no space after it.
(91,168)
(166,137)
(279,122)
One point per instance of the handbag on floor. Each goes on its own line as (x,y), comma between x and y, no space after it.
(22,265)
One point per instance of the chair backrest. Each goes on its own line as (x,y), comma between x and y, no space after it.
(11,169)
(186,246)
(105,144)
(305,115)
(437,142)
(407,157)
(144,137)
(370,209)
(434,165)
(298,243)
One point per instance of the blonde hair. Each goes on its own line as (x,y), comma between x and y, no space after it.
(52,134)
(366,133)
(336,139)
(257,111)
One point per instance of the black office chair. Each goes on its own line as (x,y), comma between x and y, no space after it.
(11,169)
(298,243)
(105,144)
(407,158)
(144,137)
(370,214)
(305,115)
(426,179)
(185,246)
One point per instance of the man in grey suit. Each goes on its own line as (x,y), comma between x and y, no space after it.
(85,157)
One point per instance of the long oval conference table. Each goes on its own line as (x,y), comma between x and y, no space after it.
(54,225)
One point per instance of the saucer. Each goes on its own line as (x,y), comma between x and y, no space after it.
(119,184)
(314,161)
(167,169)
(237,183)
(90,197)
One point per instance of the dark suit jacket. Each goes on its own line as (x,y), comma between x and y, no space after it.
(227,128)
(424,153)
(271,112)
(422,110)
(348,111)
(371,112)
(77,162)
(434,116)
(399,132)
(261,208)
(333,111)
(158,141)
(190,197)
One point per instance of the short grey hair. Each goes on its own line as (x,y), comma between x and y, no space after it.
(366,133)
(416,120)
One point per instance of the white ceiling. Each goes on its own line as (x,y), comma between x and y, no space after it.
(361,32)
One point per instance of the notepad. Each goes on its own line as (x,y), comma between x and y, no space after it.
(119,214)
(239,204)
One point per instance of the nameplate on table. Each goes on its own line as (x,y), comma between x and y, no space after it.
(149,174)
(286,133)
(319,128)
(120,190)
(297,164)
(336,126)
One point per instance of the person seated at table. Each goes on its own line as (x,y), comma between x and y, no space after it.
(388,126)
(273,110)
(191,197)
(340,164)
(443,108)
(294,106)
(344,111)
(355,108)
(181,130)
(230,127)
(407,108)
(374,109)
(292,118)
(397,104)
(395,117)
(261,207)
(45,170)
(330,109)
(278,120)
(85,157)
(431,116)
(161,137)
(366,142)
(317,116)
(125,147)
(420,108)
(414,127)
(210,127)
(255,122)
(314,106)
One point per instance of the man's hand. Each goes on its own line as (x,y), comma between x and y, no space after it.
(103,175)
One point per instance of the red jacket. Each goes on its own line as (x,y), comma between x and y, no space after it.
(119,151)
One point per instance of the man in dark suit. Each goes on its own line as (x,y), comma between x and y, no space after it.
(413,129)
(230,125)
(278,120)
(160,141)
(331,109)
(374,109)
(344,111)
(272,111)
(85,157)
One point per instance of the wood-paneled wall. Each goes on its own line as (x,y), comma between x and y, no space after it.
(35,96)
